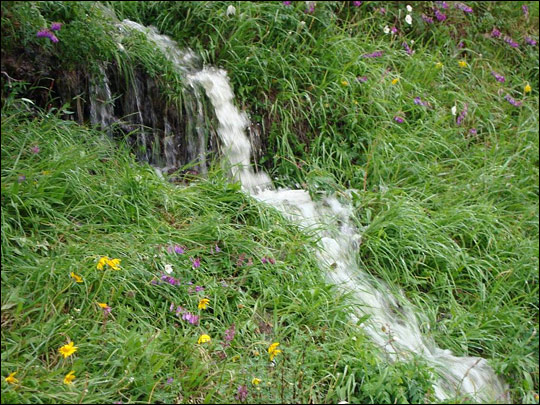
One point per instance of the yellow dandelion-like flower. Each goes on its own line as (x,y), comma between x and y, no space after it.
(68,350)
(344,83)
(439,65)
(77,278)
(102,262)
(462,63)
(68,379)
(11,378)
(203,303)
(203,339)
(273,351)
(103,305)
(114,264)
(394,81)
(256,381)
(527,88)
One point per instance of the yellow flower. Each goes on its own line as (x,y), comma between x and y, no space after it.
(77,278)
(68,379)
(11,379)
(273,351)
(102,262)
(462,63)
(68,350)
(114,263)
(203,339)
(103,305)
(203,303)
(527,88)
(256,381)
(344,83)
(395,80)
(45,172)
(438,65)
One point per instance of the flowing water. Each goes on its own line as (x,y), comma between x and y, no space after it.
(393,322)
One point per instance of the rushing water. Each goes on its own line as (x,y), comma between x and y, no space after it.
(393,323)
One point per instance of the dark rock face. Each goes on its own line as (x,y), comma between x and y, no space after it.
(167,136)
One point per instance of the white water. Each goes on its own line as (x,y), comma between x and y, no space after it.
(392,322)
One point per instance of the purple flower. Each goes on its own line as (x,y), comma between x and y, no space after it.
(357,3)
(512,101)
(442,4)
(362,79)
(176,249)
(427,19)
(495,33)
(399,120)
(473,131)
(55,26)
(310,7)
(287,3)
(511,42)
(199,288)
(407,48)
(242,393)
(462,115)
(229,336)
(53,38)
(217,249)
(35,149)
(169,380)
(21,178)
(196,262)
(418,101)
(530,41)
(461,44)
(191,318)
(464,7)
(500,78)
(375,54)
(382,10)
(525,10)
(440,16)
(394,30)
(44,33)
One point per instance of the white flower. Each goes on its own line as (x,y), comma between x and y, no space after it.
(302,23)
(409,8)
(408,19)
(168,267)
(454,110)
(231,10)
(386,29)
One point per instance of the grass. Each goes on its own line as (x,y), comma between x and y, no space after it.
(449,216)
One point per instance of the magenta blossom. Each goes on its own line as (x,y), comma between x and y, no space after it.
(357,3)
(407,48)
(495,33)
(525,10)
(362,79)
(399,120)
(427,19)
(394,30)
(473,131)
(440,16)
(462,115)
(55,26)
(375,54)
(442,4)
(191,318)
(530,41)
(512,101)
(229,336)
(35,149)
(196,262)
(511,42)
(242,393)
(464,7)
(498,77)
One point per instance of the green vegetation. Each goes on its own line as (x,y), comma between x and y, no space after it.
(450,211)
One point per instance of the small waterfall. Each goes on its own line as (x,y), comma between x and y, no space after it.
(392,322)
(101,108)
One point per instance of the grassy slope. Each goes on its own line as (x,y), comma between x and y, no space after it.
(450,217)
